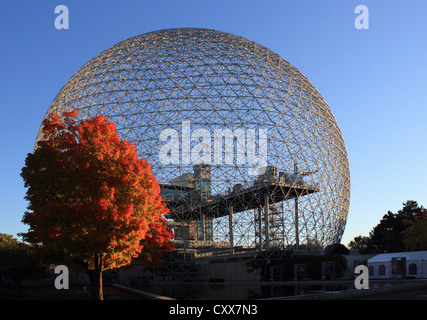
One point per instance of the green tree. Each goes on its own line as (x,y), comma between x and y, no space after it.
(18,261)
(7,241)
(362,243)
(415,235)
(387,236)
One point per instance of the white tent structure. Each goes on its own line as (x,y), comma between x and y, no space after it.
(398,265)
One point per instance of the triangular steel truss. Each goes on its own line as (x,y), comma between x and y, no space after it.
(205,80)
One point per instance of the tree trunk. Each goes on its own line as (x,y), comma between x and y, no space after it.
(98,290)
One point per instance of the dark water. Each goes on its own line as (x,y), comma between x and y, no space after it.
(233,291)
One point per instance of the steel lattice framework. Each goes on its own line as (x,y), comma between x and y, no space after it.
(247,152)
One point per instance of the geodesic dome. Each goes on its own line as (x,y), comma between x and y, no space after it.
(247,152)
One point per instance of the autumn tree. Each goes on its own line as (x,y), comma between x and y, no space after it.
(91,199)
(156,242)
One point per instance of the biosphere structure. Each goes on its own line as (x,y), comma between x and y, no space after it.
(247,152)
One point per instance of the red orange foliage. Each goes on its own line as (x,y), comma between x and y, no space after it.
(90,196)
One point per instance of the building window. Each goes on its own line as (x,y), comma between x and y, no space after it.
(412,269)
(204,229)
(371,270)
(381,270)
(208,229)
(200,231)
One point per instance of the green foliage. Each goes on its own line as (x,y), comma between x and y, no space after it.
(18,261)
(337,249)
(360,243)
(415,235)
(405,230)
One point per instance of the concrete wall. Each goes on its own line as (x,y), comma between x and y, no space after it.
(229,271)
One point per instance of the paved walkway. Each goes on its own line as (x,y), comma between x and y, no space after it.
(413,294)
(382,290)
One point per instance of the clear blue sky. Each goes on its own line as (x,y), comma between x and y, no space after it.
(375,80)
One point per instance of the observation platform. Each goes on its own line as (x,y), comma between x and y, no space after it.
(257,196)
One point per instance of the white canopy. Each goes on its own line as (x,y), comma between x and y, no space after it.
(410,256)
